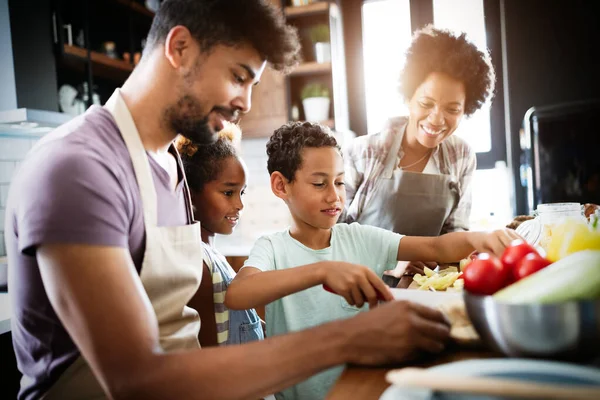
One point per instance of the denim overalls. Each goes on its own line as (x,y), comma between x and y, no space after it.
(244,325)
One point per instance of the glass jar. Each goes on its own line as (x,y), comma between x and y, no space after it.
(552,214)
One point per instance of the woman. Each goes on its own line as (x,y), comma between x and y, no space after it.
(414,176)
(217,180)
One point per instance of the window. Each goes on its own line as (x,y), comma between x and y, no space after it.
(386,36)
(453,15)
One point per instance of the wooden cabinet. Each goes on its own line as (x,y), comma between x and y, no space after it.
(331,74)
(269,106)
(275,97)
(81,28)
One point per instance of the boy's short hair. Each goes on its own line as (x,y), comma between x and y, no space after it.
(285,146)
(231,23)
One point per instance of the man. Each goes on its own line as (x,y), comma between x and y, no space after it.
(103,252)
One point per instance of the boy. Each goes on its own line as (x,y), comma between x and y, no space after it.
(285,270)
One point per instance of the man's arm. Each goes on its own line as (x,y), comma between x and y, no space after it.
(100,300)
(454,246)
(356,283)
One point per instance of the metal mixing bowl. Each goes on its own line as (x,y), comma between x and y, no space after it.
(563,331)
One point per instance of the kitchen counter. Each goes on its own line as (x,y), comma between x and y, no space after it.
(369,383)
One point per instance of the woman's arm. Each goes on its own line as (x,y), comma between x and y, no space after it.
(454,246)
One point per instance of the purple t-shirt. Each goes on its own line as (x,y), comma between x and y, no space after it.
(77,185)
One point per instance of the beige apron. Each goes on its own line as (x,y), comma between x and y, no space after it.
(171,270)
(410,203)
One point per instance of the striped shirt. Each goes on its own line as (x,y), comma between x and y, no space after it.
(233,326)
(365,160)
(211,258)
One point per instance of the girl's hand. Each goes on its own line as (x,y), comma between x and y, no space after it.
(356,283)
(494,242)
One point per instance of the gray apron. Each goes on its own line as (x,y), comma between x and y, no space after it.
(410,203)
(171,270)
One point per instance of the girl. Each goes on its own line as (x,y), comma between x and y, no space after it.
(217,179)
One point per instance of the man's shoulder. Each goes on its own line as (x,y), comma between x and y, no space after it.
(95,131)
(82,153)
(89,139)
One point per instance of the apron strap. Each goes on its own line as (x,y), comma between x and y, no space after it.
(186,188)
(141,165)
(117,107)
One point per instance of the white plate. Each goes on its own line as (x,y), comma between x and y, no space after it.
(509,368)
(428,298)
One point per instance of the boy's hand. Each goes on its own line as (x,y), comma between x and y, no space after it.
(494,242)
(396,332)
(356,283)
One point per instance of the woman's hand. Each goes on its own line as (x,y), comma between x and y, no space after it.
(494,242)
(356,283)
(418,267)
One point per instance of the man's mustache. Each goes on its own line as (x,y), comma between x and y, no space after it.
(231,115)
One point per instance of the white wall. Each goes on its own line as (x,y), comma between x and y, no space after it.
(12,151)
(263,212)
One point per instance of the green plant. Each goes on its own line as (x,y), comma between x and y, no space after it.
(319,33)
(314,90)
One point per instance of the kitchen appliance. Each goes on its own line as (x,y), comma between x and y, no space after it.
(566,331)
(560,159)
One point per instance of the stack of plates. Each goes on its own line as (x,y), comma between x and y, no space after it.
(527,370)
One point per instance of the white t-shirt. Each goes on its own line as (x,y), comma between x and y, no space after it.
(360,244)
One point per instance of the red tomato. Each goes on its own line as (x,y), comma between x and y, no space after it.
(485,275)
(532,263)
(515,252)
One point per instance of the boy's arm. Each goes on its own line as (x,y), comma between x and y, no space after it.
(96,292)
(453,247)
(252,287)
(356,283)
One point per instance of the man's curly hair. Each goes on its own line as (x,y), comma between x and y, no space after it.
(231,23)
(285,146)
(439,50)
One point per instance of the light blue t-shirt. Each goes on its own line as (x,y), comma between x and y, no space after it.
(373,247)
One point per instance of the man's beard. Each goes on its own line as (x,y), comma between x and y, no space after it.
(186,119)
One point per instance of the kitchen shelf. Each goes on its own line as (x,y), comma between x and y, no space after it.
(103,65)
(310,68)
(309,9)
(137,7)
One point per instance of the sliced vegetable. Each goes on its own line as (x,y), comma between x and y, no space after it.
(575,277)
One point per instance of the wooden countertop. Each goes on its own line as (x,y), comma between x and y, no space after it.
(369,383)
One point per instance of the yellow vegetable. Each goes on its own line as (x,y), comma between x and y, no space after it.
(570,237)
